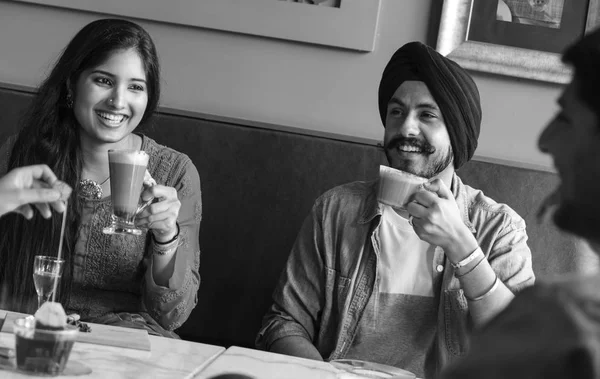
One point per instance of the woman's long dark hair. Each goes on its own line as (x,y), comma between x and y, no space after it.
(49,134)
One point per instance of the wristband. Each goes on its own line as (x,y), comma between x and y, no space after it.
(162,250)
(470,270)
(468,259)
(494,286)
(169,241)
(165,249)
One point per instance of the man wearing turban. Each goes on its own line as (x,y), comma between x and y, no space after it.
(404,287)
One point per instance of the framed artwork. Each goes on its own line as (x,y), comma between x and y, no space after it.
(521,38)
(347,24)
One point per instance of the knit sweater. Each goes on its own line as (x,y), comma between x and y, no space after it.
(112,274)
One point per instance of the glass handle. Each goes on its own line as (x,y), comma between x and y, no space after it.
(143,206)
(147,202)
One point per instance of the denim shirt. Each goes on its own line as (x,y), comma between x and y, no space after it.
(331,271)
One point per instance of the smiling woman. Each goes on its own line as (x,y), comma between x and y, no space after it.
(103,87)
(110,99)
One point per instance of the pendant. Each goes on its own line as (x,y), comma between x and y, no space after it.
(89,189)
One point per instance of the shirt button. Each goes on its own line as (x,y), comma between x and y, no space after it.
(439,268)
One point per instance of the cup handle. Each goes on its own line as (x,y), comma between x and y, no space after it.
(144,206)
(147,202)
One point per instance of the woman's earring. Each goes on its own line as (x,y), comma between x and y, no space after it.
(69,101)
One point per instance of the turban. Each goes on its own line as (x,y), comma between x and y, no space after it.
(452,88)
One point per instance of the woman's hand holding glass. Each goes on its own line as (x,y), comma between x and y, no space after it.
(160,216)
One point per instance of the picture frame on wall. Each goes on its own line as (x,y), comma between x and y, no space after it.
(345,24)
(520,38)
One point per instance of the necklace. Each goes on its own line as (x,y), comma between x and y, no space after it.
(91,189)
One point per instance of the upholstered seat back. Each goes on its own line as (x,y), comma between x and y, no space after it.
(259,184)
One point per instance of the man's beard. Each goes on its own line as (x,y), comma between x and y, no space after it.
(580,219)
(432,169)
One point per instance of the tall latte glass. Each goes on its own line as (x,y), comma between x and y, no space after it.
(127,168)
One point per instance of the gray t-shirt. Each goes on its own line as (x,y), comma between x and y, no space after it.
(401,335)
(399,324)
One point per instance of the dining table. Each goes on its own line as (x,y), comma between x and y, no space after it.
(258,364)
(162,358)
(243,363)
(115,352)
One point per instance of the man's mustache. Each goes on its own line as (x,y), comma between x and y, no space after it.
(413,142)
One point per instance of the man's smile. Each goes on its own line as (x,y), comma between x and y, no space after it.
(410,149)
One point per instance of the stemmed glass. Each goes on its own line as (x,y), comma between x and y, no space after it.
(46,274)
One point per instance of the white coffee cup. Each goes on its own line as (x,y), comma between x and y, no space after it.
(396,186)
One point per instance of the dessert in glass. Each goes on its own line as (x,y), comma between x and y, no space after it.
(44,341)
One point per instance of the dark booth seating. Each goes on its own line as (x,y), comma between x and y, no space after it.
(258,185)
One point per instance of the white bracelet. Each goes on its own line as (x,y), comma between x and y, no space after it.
(165,249)
(488,293)
(468,259)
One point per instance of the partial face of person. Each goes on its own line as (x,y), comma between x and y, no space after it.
(573,140)
(110,99)
(416,139)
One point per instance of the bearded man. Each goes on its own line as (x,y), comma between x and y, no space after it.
(404,288)
(552,330)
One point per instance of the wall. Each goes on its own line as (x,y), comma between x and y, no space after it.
(282,82)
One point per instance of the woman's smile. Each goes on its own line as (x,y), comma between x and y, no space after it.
(111,119)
